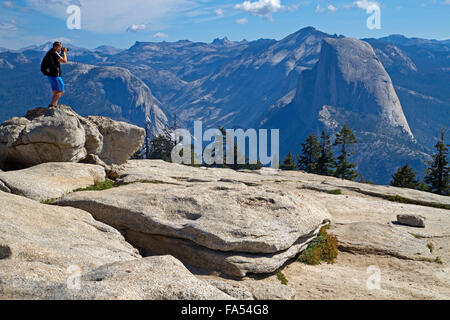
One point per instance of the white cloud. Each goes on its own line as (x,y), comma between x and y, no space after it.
(242,21)
(160,35)
(8,4)
(332,8)
(136,28)
(365,4)
(8,26)
(319,9)
(116,15)
(219,12)
(262,8)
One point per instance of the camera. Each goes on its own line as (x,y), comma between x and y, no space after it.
(67,49)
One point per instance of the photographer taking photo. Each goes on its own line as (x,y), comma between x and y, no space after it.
(51,67)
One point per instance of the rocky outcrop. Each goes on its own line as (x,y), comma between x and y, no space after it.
(160,172)
(152,278)
(234,263)
(49,252)
(44,241)
(228,222)
(51,180)
(61,135)
(234,228)
(120,139)
(376,238)
(405,195)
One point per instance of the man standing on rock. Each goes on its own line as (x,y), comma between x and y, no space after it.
(51,67)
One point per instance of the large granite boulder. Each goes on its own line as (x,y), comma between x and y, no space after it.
(151,278)
(237,229)
(54,136)
(49,252)
(51,180)
(234,263)
(377,238)
(44,241)
(61,135)
(120,139)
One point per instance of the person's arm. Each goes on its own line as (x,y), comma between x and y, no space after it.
(63,59)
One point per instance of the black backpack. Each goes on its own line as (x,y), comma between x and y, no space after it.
(49,67)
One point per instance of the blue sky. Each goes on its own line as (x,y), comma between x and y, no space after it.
(122,22)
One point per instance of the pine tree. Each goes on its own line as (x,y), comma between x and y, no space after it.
(258,165)
(405,177)
(437,174)
(148,138)
(288,163)
(326,160)
(344,169)
(161,148)
(307,161)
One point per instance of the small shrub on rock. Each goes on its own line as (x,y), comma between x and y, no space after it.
(98,186)
(323,248)
(282,277)
(335,192)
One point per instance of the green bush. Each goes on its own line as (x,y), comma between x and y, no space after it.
(98,186)
(282,277)
(336,191)
(49,201)
(323,248)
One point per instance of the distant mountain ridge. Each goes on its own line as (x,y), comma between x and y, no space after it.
(253,84)
(98,90)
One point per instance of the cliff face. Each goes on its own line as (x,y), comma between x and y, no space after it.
(350,77)
(125,96)
(349,85)
(242,88)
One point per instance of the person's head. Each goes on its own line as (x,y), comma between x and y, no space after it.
(57,46)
